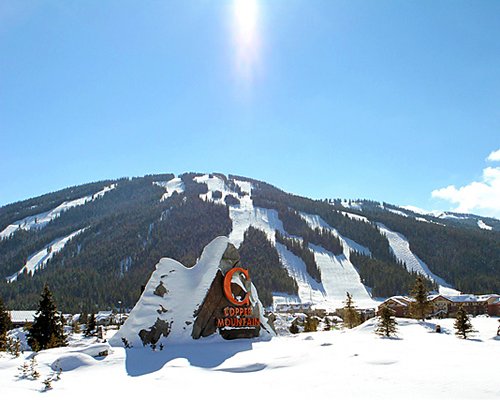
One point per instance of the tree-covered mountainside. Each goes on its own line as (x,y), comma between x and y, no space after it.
(119,236)
(262,260)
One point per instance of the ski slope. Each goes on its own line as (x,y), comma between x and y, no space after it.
(39,259)
(174,185)
(401,249)
(338,274)
(39,221)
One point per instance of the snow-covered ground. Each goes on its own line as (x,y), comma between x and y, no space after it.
(39,221)
(338,273)
(174,185)
(348,364)
(40,258)
(483,225)
(401,249)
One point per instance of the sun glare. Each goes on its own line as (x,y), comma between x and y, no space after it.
(246,13)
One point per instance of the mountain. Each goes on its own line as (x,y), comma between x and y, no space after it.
(97,244)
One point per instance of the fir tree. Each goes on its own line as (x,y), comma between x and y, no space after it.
(47,330)
(328,324)
(462,324)
(420,308)
(91,325)
(294,328)
(386,323)
(5,325)
(311,324)
(351,316)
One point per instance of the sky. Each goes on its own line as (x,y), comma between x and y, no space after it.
(395,101)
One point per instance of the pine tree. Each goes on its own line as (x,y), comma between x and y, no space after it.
(328,324)
(47,330)
(91,325)
(5,325)
(462,324)
(386,323)
(294,328)
(311,324)
(420,308)
(351,316)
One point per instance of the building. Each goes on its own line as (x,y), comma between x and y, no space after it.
(20,318)
(444,306)
(400,305)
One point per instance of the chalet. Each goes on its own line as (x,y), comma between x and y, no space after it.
(293,308)
(445,306)
(494,305)
(400,305)
(20,318)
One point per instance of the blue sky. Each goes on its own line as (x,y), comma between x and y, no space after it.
(386,100)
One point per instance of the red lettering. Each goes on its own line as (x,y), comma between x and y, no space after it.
(227,287)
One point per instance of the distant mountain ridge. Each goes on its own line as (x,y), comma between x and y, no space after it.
(97,244)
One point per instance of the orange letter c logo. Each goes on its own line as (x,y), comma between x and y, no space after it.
(227,287)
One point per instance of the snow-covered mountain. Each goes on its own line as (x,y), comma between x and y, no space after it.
(103,244)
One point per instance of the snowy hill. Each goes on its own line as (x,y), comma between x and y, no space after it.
(112,234)
(353,364)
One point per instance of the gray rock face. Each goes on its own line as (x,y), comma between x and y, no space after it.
(153,334)
(160,290)
(215,301)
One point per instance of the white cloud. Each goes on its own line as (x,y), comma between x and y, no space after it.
(481,198)
(494,156)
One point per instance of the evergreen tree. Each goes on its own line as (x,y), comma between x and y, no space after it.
(351,317)
(91,325)
(311,324)
(5,325)
(47,330)
(328,324)
(462,324)
(386,323)
(420,308)
(75,326)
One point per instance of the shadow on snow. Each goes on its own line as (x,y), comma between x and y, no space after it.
(142,361)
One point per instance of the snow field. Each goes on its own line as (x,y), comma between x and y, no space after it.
(338,274)
(174,185)
(351,364)
(39,221)
(401,249)
(40,258)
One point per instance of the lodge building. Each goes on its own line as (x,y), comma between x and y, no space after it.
(444,306)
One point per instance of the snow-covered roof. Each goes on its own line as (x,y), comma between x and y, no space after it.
(18,316)
(402,300)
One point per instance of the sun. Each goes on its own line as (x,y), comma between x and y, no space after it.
(246,36)
(245,13)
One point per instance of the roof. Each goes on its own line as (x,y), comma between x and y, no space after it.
(18,316)
(402,300)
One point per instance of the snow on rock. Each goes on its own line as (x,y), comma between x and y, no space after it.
(484,226)
(165,313)
(172,186)
(401,249)
(39,259)
(39,221)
